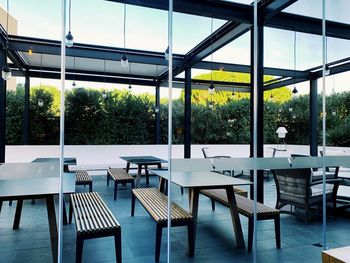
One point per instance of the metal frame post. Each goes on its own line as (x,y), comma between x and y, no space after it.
(187,113)
(2,109)
(157,113)
(26,109)
(313,118)
(260,109)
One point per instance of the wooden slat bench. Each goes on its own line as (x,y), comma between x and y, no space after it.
(156,204)
(119,176)
(246,207)
(83,178)
(93,219)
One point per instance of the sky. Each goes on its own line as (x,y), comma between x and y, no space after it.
(101,22)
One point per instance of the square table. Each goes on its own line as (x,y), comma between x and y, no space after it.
(199,180)
(21,181)
(67,161)
(142,161)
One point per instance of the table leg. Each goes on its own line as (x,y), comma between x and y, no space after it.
(18,214)
(127,167)
(139,169)
(194,198)
(51,214)
(162,183)
(146,174)
(235,217)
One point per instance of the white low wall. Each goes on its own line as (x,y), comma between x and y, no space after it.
(109,154)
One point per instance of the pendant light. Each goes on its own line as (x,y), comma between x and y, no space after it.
(327,70)
(6,71)
(124,60)
(295,91)
(69,36)
(130,87)
(74,84)
(166,53)
(40,100)
(211,88)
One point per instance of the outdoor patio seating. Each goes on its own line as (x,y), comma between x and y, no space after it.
(93,219)
(119,176)
(295,187)
(246,208)
(83,178)
(156,204)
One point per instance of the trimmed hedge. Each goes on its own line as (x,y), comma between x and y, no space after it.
(118,117)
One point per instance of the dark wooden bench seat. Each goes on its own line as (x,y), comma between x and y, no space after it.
(83,178)
(119,176)
(156,204)
(93,219)
(246,208)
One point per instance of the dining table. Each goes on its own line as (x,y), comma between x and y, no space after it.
(38,180)
(195,181)
(142,162)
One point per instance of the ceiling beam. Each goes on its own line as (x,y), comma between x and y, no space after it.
(23,44)
(273,7)
(217,9)
(246,69)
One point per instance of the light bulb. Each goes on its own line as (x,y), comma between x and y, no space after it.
(6,72)
(211,105)
(40,102)
(104,94)
(166,53)
(156,109)
(211,88)
(290,109)
(30,52)
(124,61)
(69,39)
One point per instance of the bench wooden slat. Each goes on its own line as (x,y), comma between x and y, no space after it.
(156,203)
(93,219)
(119,174)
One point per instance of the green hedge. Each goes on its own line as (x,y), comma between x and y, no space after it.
(118,117)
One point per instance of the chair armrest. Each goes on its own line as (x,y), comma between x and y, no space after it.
(328,181)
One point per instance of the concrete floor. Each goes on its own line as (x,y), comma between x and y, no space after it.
(215,240)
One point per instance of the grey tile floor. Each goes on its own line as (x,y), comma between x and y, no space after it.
(215,241)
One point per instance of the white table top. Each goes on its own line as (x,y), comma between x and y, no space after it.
(200,179)
(33,179)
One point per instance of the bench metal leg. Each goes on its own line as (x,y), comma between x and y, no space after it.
(190,236)
(0,206)
(250,233)
(146,174)
(212,204)
(70,211)
(79,250)
(118,246)
(18,214)
(132,204)
(158,241)
(108,179)
(90,187)
(64,214)
(277,231)
(10,203)
(115,189)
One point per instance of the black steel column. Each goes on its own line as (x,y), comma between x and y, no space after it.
(313,118)
(157,111)
(187,113)
(260,109)
(2,109)
(26,109)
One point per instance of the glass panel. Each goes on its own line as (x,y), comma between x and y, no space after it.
(337,119)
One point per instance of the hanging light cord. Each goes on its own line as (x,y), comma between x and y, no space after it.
(69,15)
(124,24)
(211,50)
(7,17)
(295,55)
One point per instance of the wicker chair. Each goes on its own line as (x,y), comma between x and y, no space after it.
(295,187)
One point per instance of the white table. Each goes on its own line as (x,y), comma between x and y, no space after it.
(196,181)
